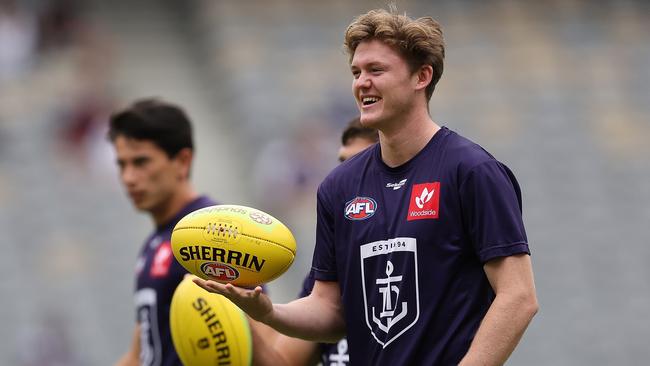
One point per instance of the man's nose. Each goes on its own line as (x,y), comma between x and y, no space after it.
(363,82)
(128,175)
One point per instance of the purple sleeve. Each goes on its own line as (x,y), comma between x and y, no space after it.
(324,261)
(491,204)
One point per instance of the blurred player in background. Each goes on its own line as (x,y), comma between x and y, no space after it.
(421,256)
(154,149)
(295,351)
(355,138)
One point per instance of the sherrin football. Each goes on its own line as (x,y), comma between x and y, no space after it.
(208,329)
(233,244)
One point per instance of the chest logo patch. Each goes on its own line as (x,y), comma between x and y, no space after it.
(424,202)
(389,272)
(162,260)
(360,208)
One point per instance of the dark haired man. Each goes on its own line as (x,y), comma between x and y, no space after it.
(154,149)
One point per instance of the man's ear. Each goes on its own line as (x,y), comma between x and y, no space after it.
(424,76)
(184,160)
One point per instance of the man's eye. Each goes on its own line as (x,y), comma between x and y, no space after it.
(140,162)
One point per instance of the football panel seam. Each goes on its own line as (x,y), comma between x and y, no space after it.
(242,234)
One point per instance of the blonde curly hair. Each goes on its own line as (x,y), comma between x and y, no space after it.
(419,41)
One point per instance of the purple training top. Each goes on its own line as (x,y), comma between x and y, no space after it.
(408,244)
(157,275)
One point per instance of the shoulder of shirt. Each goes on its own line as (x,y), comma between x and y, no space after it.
(465,153)
(206,200)
(200,202)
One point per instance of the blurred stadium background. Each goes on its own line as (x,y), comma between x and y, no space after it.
(559,90)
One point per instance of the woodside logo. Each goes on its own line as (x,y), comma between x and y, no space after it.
(424,202)
(162,260)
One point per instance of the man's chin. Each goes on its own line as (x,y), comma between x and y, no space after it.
(371,121)
(368,120)
(140,205)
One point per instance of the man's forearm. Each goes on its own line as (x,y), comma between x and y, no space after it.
(501,330)
(308,319)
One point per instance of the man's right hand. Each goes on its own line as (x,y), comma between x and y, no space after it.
(253,302)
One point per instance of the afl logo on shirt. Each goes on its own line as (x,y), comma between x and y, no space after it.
(425,201)
(360,208)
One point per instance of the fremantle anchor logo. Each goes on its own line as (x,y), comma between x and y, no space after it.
(388,310)
(390,287)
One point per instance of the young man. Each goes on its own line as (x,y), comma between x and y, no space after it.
(421,254)
(294,351)
(154,149)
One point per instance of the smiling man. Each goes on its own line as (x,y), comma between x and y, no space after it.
(421,255)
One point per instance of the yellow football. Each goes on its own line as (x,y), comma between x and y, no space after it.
(233,244)
(208,329)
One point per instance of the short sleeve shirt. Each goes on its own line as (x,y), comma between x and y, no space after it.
(407,246)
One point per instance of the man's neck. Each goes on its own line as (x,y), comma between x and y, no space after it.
(180,199)
(407,139)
